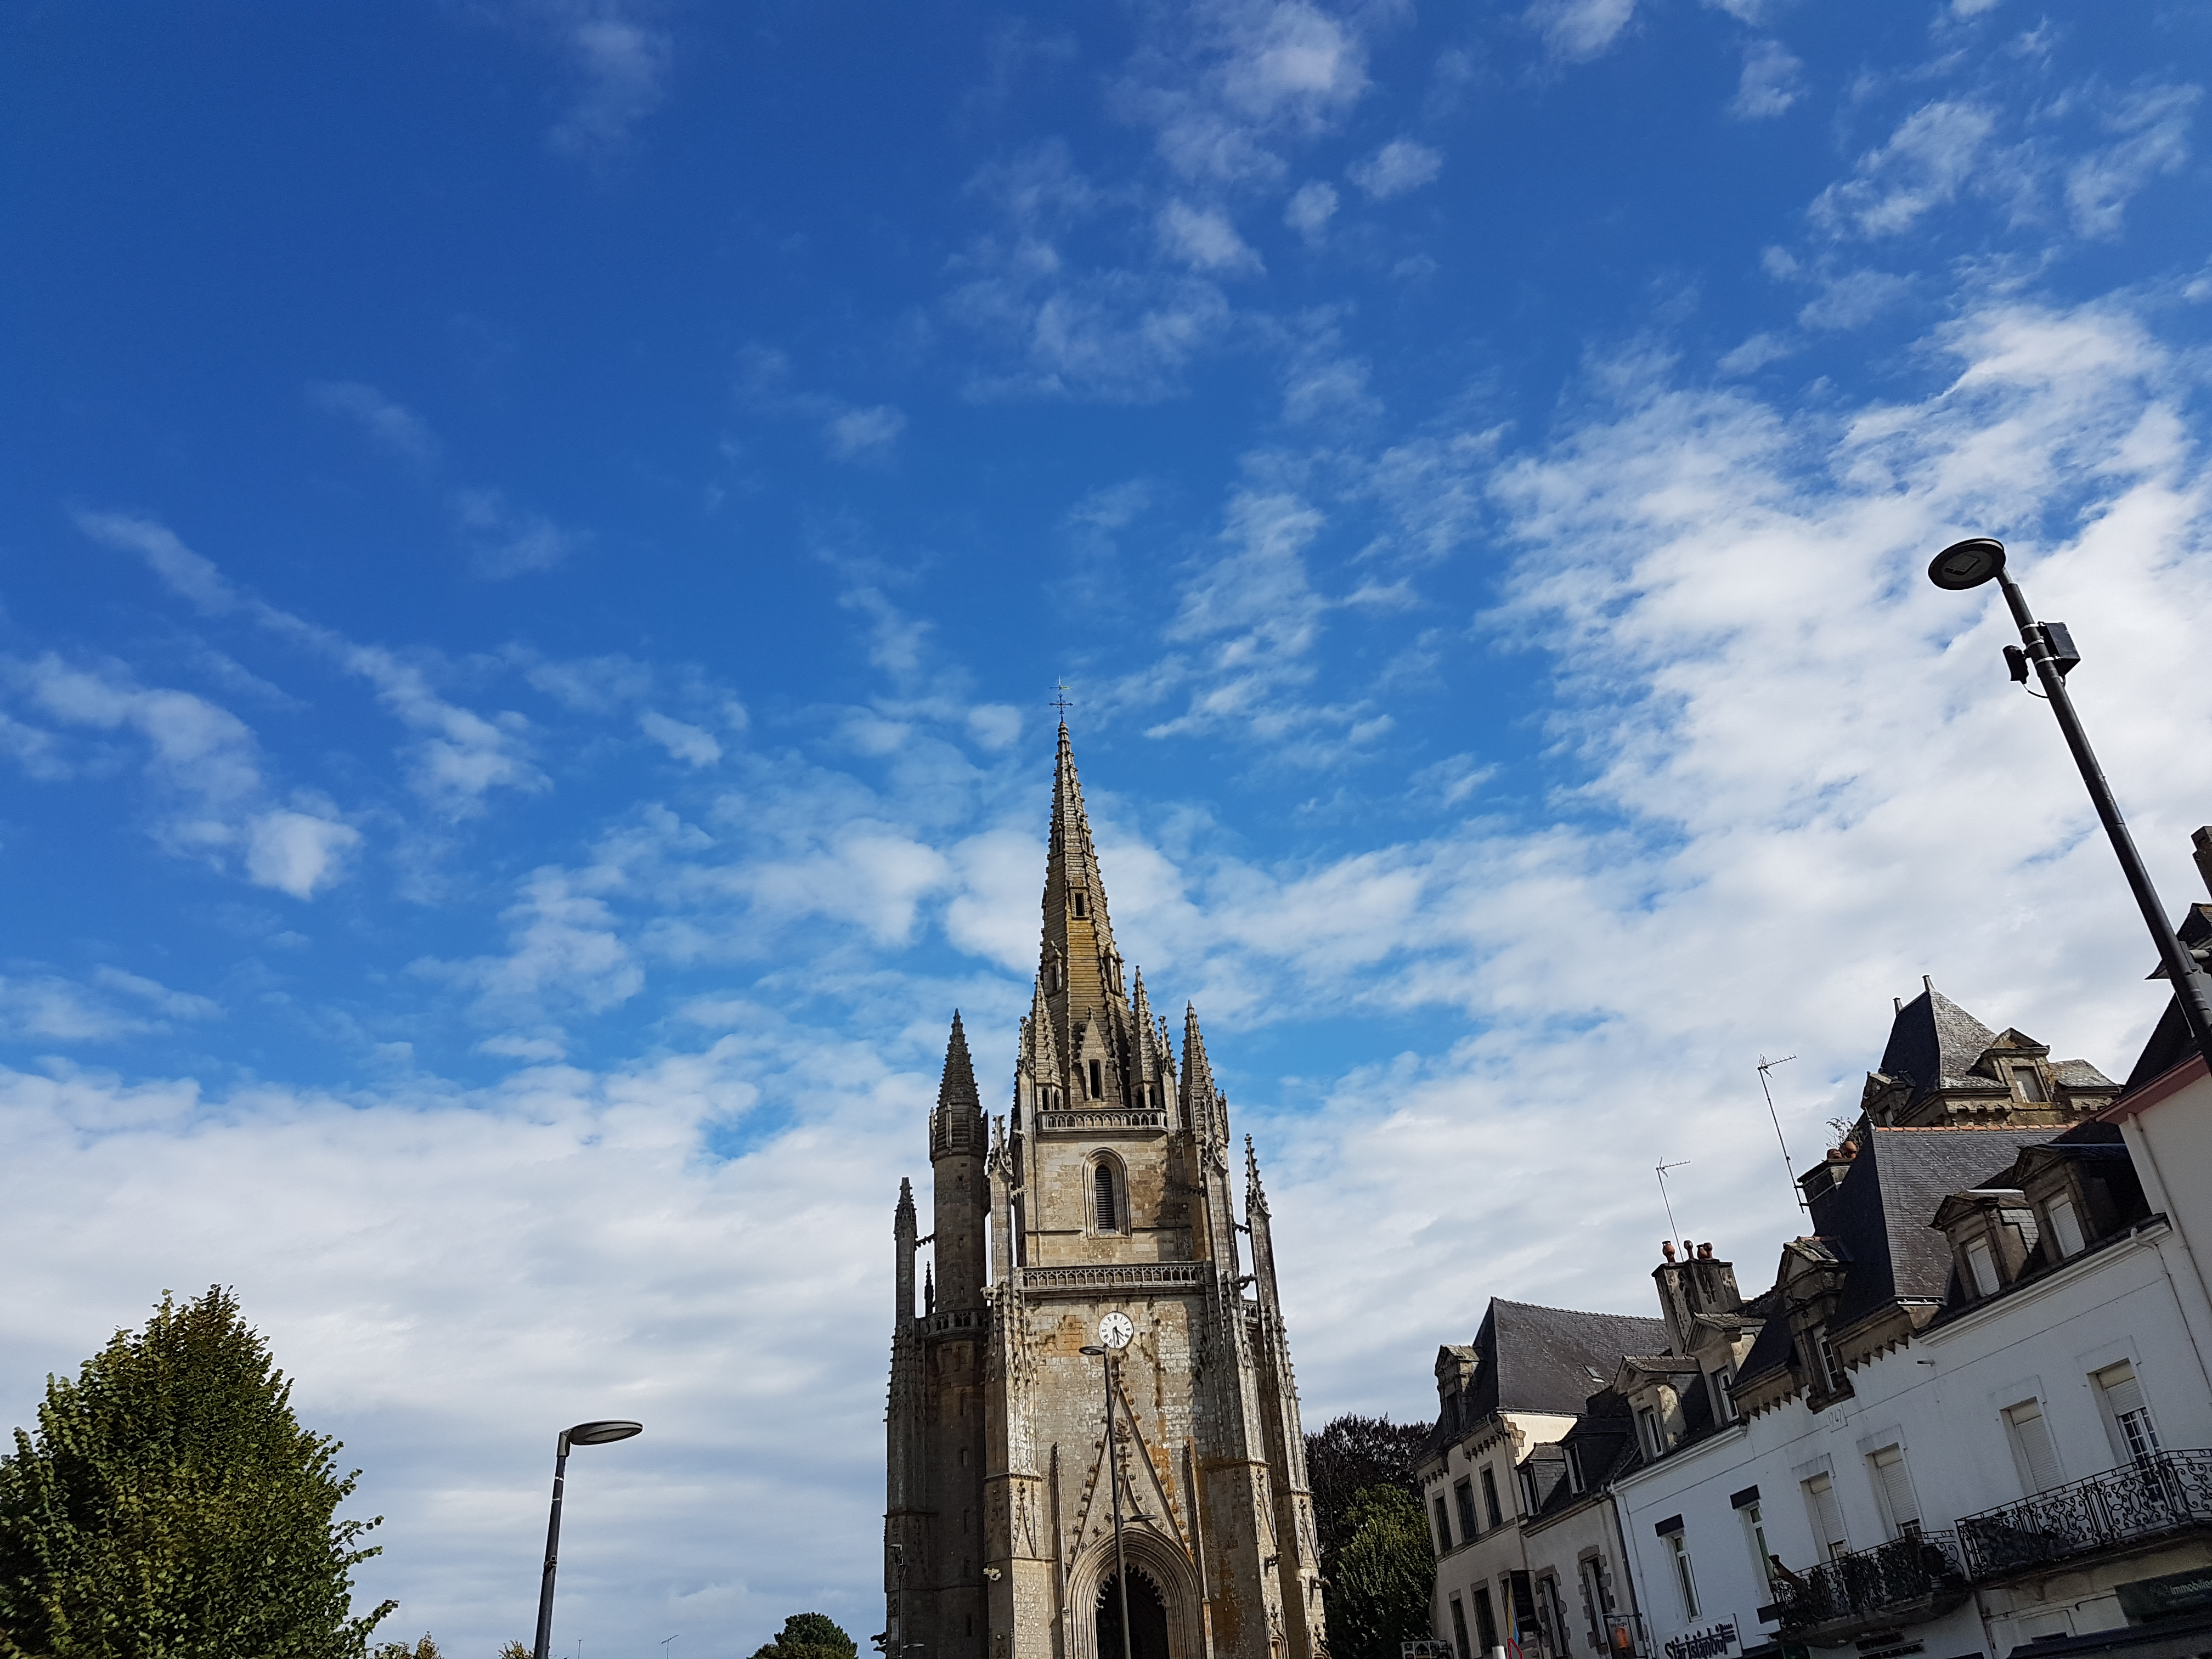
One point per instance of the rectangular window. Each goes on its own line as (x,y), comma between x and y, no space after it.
(1827,1518)
(2135,1435)
(1895,1486)
(1982,1268)
(1595,1602)
(1097,1085)
(1490,1497)
(1485,1620)
(1459,1627)
(1724,1407)
(1574,1468)
(2031,1439)
(1754,1534)
(1463,1495)
(1685,1580)
(1444,1528)
(1647,1421)
(1552,1613)
(2065,1227)
(1530,1501)
(2029,1083)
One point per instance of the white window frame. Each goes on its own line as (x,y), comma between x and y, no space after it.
(2057,1230)
(1686,1576)
(2017,1417)
(1754,1536)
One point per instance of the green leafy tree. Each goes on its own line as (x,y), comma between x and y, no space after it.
(514,1651)
(170,1506)
(425,1649)
(1350,1454)
(809,1636)
(1379,1590)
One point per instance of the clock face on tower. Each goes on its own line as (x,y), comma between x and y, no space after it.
(1115,1330)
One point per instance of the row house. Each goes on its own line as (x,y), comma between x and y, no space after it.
(1961,1422)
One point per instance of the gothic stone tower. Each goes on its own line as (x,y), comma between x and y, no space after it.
(1105,1187)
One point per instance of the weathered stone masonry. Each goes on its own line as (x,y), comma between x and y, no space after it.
(1104,1187)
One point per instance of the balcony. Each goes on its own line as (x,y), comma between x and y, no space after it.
(1907,1581)
(2156,1496)
(1086,1122)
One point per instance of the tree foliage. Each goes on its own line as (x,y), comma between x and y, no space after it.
(170,1506)
(425,1649)
(1349,1456)
(1379,1590)
(809,1636)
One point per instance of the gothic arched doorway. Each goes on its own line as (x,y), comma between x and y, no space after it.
(1148,1618)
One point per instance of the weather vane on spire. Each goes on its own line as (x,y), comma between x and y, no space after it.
(1062,702)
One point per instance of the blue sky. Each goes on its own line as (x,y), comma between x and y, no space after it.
(538,539)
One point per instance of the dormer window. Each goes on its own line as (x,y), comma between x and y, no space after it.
(2065,1230)
(1574,1468)
(2027,1084)
(1982,1269)
(1654,1437)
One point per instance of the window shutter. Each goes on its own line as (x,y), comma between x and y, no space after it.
(1896,1490)
(1985,1267)
(2065,1227)
(2120,1387)
(2124,1394)
(1104,1178)
(2032,1436)
(1827,1518)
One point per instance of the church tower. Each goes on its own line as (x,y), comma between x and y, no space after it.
(1104,1188)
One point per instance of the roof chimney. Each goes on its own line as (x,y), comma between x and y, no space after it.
(2202,839)
(1928,985)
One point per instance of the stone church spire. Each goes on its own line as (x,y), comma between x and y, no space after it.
(958,1144)
(1079,969)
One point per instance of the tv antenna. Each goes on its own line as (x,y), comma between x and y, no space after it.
(1660,1170)
(1789,1164)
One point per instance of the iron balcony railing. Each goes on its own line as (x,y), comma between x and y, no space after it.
(1920,1572)
(2161,1493)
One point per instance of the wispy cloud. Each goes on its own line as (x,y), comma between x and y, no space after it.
(1204,239)
(390,425)
(505,540)
(621,54)
(1399,167)
(1576,31)
(1772,80)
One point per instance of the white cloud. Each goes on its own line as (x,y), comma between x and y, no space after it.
(567,954)
(1400,166)
(863,433)
(1226,85)
(194,577)
(1934,153)
(1309,209)
(298,853)
(2154,128)
(621,60)
(40,1006)
(505,540)
(692,744)
(1204,239)
(1576,31)
(1850,299)
(391,426)
(1772,80)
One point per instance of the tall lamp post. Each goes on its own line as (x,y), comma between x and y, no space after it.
(2048,649)
(1114,1331)
(584,1434)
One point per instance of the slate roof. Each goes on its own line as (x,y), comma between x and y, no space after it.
(1878,1217)
(1532,1359)
(1933,1040)
(1539,1359)
(2170,1041)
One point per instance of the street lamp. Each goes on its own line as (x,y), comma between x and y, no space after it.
(1114,1331)
(2048,648)
(584,1434)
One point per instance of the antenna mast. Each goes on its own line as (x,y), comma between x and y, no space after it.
(1789,1164)
(1661,1171)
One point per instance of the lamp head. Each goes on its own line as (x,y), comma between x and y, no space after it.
(1093,1350)
(598,1434)
(1968,564)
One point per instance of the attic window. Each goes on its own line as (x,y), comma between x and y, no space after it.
(2065,1226)
(1983,1267)
(2027,1084)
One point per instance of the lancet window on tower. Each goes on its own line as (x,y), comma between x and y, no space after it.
(1097,1081)
(1108,1209)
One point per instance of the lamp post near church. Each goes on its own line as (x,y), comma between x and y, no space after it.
(584,1434)
(2048,649)
(1114,1331)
